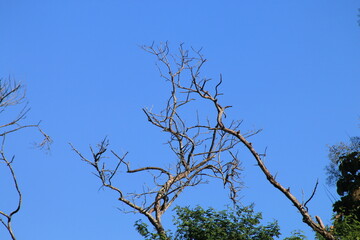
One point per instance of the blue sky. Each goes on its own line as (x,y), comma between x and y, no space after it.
(290,68)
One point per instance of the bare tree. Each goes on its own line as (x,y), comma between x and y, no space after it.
(203,149)
(11,95)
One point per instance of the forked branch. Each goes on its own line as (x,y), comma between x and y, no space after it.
(197,87)
(202,151)
(11,94)
(204,148)
(6,218)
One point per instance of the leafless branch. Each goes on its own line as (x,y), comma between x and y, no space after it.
(5,218)
(11,94)
(197,86)
(204,149)
(312,195)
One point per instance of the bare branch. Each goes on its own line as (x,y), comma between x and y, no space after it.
(11,94)
(8,217)
(312,195)
(204,149)
(198,146)
(206,95)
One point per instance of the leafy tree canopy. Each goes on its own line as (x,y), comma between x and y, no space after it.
(348,185)
(230,224)
(239,223)
(344,170)
(336,154)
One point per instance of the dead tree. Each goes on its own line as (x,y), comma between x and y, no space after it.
(11,95)
(204,149)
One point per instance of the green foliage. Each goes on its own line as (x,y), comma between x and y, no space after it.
(296,235)
(347,227)
(347,209)
(336,153)
(239,223)
(231,224)
(142,229)
(344,228)
(348,185)
(345,170)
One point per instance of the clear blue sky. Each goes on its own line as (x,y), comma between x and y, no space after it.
(289,67)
